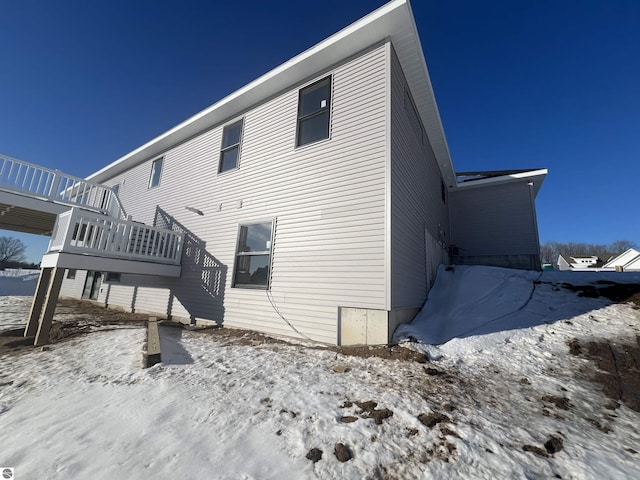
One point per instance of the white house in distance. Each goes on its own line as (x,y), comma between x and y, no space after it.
(317,201)
(578,262)
(628,261)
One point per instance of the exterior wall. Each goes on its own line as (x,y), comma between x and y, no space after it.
(419,216)
(495,225)
(327,200)
(72,287)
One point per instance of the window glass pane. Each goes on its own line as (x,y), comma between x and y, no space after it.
(156,170)
(231,134)
(252,270)
(313,129)
(314,98)
(255,238)
(116,188)
(228,160)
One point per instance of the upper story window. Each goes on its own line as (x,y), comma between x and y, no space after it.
(314,104)
(116,189)
(156,171)
(230,149)
(253,256)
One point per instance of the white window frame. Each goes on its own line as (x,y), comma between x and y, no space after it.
(230,147)
(238,254)
(301,119)
(155,162)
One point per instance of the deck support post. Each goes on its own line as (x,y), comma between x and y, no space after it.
(38,301)
(50,302)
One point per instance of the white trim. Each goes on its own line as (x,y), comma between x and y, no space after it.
(387,181)
(103,264)
(537,176)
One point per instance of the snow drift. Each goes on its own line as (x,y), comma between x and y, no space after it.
(18,282)
(471,301)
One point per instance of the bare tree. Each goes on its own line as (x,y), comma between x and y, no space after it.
(549,251)
(11,250)
(620,246)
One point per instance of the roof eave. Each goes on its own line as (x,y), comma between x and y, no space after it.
(393,21)
(534,177)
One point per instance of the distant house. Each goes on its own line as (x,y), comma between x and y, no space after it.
(628,261)
(318,201)
(578,262)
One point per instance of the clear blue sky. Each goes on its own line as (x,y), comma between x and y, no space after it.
(551,84)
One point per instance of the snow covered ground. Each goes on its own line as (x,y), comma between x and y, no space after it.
(219,408)
(14,281)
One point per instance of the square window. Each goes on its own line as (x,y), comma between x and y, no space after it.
(71,274)
(156,171)
(230,149)
(113,277)
(253,256)
(314,116)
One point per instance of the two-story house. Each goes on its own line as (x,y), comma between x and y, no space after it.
(317,201)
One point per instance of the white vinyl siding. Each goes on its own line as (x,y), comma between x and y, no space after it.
(494,220)
(419,218)
(72,287)
(327,201)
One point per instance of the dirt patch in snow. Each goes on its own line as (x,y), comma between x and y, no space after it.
(618,367)
(72,318)
(235,336)
(616,292)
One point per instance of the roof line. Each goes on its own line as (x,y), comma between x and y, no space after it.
(531,175)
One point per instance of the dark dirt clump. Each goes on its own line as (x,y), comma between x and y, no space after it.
(432,419)
(562,403)
(348,419)
(574,347)
(537,450)
(315,455)
(342,452)
(449,431)
(368,410)
(554,444)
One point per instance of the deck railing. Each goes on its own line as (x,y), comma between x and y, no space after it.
(54,186)
(79,231)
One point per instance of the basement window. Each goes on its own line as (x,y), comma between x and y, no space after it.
(314,104)
(156,171)
(230,149)
(253,256)
(113,277)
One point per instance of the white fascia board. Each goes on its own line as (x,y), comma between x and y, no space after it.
(106,264)
(32,203)
(534,176)
(393,21)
